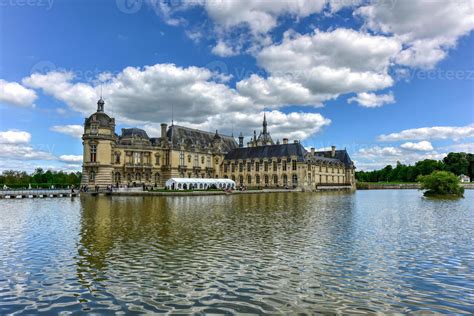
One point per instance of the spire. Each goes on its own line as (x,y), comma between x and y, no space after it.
(264,123)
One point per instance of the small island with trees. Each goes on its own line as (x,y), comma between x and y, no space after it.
(438,178)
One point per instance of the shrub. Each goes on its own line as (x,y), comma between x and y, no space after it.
(441,183)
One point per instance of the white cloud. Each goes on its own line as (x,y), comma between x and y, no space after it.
(310,69)
(17,153)
(223,50)
(146,96)
(295,125)
(14,137)
(23,152)
(260,16)
(429,133)
(15,94)
(427,28)
(371,100)
(71,158)
(71,130)
(461,147)
(420,146)
(377,157)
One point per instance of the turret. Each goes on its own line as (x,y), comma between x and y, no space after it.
(241,140)
(100,105)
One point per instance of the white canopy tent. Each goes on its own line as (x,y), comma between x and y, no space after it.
(198,184)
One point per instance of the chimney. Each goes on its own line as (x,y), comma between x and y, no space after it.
(164,126)
(295,141)
(285,141)
(312,151)
(333,151)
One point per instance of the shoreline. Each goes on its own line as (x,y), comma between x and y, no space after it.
(400,186)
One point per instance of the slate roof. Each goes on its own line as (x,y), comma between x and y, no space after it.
(132,132)
(341,155)
(193,137)
(260,152)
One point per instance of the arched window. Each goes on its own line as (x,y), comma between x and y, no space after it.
(285,179)
(241,180)
(257,179)
(181,158)
(275,179)
(266,179)
(233,178)
(249,179)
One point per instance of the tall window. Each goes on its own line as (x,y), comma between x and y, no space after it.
(241,167)
(225,167)
(117,177)
(92,176)
(266,179)
(284,165)
(265,166)
(232,167)
(241,179)
(294,179)
(93,153)
(257,166)
(117,158)
(157,177)
(257,179)
(275,179)
(157,159)
(249,179)
(208,162)
(181,158)
(137,158)
(274,166)
(249,166)
(285,179)
(196,160)
(189,158)
(293,164)
(202,160)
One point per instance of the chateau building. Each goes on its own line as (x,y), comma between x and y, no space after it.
(134,158)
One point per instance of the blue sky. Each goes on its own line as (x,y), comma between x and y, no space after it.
(389,80)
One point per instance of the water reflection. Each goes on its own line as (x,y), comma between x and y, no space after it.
(367,252)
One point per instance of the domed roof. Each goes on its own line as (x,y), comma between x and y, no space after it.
(99,117)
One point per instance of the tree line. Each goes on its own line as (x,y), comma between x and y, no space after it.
(39,179)
(457,163)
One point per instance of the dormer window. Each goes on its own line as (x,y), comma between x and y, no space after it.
(94,129)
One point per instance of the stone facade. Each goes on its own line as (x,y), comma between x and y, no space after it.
(134,158)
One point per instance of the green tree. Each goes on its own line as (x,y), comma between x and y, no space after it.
(458,163)
(441,183)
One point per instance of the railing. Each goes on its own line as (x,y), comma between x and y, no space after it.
(37,192)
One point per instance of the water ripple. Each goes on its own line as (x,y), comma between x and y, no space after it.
(364,253)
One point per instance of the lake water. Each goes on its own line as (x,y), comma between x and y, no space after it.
(366,252)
